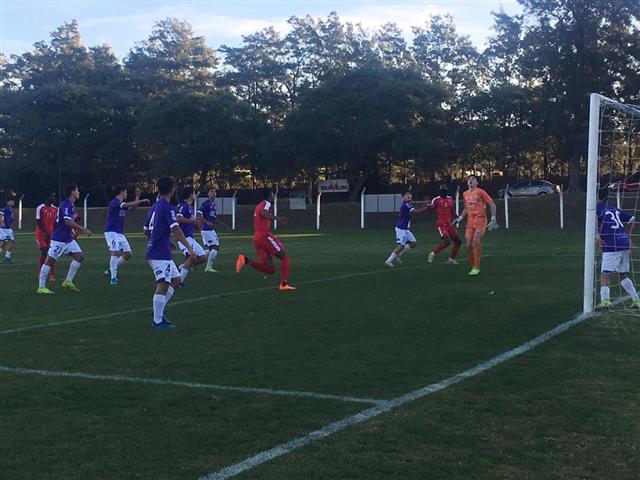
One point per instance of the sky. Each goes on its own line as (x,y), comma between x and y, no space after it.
(122,23)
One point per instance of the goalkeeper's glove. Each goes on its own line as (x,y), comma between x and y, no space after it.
(493,224)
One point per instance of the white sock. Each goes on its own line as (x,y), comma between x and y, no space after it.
(604,293)
(184,271)
(7,254)
(44,273)
(213,253)
(405,249)
(169,294)
(628,286)
(73,269)
(113,266)
(159,302)
(392,257)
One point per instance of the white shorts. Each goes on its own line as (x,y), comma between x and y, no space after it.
(404,236)
(210,238)
(197,248)
(117,242)
(57,249)
(6,234)
(615,261)
(164,270)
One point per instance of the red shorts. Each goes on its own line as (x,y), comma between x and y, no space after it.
(447,231)
(267,246)
(43,242)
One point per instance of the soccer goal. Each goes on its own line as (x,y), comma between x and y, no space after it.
(613,177)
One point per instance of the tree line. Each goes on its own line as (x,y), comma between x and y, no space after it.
(325,99)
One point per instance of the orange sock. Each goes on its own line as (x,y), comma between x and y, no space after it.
(477,249)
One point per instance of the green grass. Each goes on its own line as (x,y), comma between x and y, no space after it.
(568,409)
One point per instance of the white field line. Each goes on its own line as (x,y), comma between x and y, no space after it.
(192,300)
(177,383)
(372,412)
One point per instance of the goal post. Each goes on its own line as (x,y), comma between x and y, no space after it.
(613,170)
(590,212)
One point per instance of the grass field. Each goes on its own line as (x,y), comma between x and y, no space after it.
(88,392)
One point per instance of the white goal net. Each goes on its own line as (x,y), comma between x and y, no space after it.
(613,196)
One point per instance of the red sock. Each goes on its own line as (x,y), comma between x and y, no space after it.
(284,270)
(454,250)
(440,247)
(260,266)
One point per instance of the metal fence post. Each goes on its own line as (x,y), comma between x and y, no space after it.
(86,201)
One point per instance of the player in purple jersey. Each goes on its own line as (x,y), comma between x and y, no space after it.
(614,229)
(6,232)
(63,242)
(208,215)
(188,222)
(162,223)
(405,240)
(114,230)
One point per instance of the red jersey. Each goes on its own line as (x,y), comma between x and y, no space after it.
(445,208)
(47,215)
(261,225)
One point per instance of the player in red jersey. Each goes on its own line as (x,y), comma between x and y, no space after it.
(444,207)
(266,244)
(46,214)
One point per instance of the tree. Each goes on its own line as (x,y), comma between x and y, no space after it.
(171,59)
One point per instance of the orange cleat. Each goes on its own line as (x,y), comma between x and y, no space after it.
(285,286)
(240,262)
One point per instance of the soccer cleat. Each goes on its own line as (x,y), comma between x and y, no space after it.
(635,303)
(603,305)
(69,285)
(241,261)
(114,282)
(163,325)
(285,286)
(210,270)
(431,257)
(389,264)
(452,261)
(45,291)
(474,272)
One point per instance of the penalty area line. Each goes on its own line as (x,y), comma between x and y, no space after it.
(369,413)
(190,300)
(196,385)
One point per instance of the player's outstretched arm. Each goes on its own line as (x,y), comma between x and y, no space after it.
(461,217)
(77,226)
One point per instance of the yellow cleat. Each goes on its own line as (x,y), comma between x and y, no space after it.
(45,291)
(474,272)
(210,270)
(286,286)
(70,286)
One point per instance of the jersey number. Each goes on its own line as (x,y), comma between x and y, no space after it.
(152,220)
(615,219)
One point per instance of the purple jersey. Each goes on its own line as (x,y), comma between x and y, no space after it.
(147,220)
(209,212)
(611,221)
(185,211)
(8,217)
(405,216)
(161,221)
(63,232)
(115,216)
